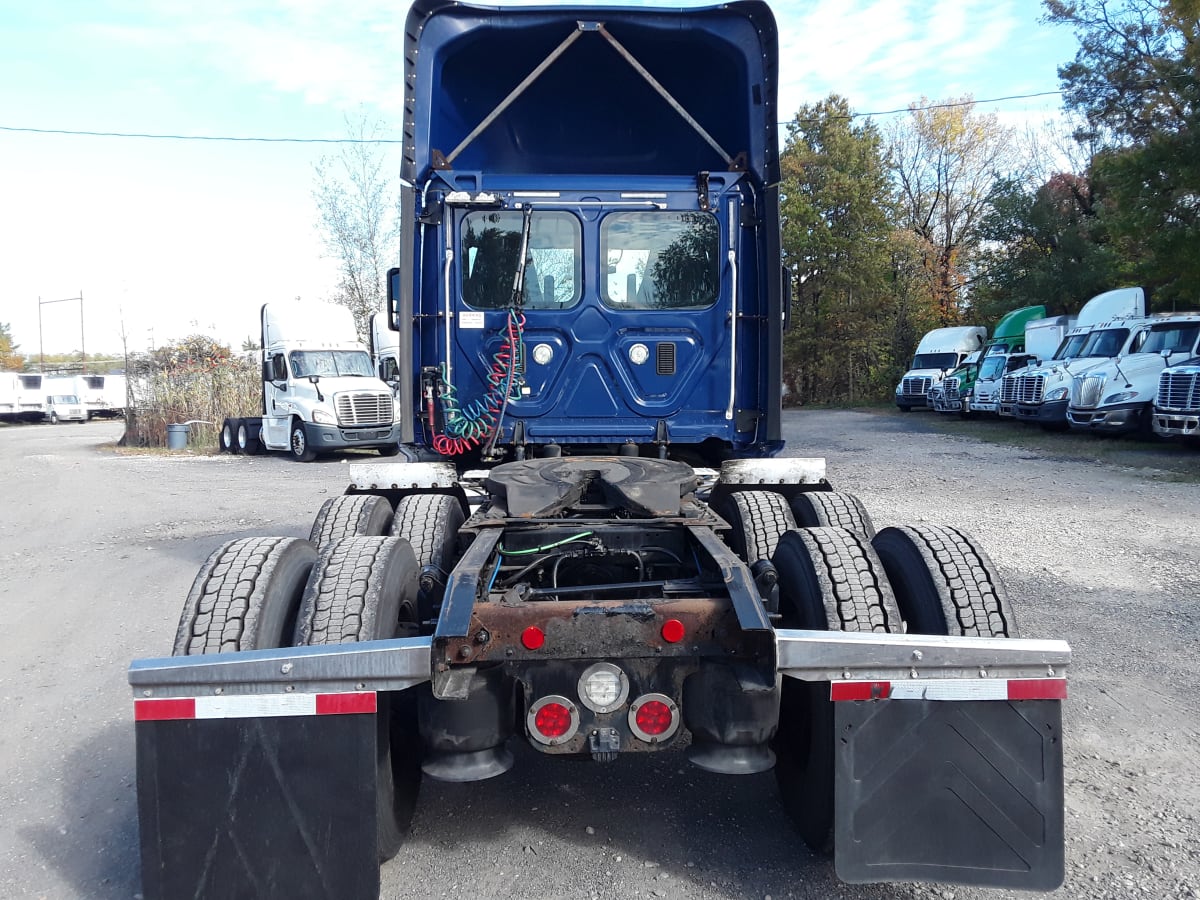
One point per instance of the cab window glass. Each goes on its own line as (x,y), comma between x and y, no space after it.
(660,260)
(491,243)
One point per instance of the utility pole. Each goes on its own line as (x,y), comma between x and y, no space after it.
(82,345)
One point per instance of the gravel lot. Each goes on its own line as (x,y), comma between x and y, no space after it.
(98,550)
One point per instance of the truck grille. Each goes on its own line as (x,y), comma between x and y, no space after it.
(362,408)
(1178,390)
(915,386)
(1029,388)
(1086,390)
(1008,389)
(951,388)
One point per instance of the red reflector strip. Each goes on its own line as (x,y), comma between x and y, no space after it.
(250,706)
(162,710)
(952,689)
(860,690)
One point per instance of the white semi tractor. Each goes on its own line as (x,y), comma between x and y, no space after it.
(320,391)
(1107,326)
(939,352)
(1117,396)
(1177,403)
(1042,339)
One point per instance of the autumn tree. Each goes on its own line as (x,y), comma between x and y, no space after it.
(836,232)
(945,159)
(10,360)
(359,218)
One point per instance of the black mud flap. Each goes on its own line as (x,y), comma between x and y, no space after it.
(967,792)
(275,807)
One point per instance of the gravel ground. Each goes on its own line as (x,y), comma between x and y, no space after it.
(98,550)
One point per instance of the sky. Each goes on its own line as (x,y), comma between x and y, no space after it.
(166,238)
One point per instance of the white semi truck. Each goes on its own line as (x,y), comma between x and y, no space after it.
(1042,338)
(1117,396)
(1105,327)
(1177,403)
(320,392)
(103,395)
(939,352)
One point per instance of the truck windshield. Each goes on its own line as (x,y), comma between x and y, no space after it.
(935,361)
(660,260)
(992,368)
(63,399)
(330,363)
(1106,343)
(491,242)
(1071,345)
(1178,337)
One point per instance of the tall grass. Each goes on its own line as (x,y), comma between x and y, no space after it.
(197,382)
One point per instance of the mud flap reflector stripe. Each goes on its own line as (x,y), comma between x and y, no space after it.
(252,706)
(952,689)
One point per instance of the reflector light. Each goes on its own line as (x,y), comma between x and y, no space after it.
(672,631)
(553,720)
(533,637)
(654,717)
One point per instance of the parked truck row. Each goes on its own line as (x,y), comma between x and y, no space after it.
(34,397)
(1111,369)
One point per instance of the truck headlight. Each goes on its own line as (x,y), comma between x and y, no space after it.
(324,417)
(1120,397)
(1057,394)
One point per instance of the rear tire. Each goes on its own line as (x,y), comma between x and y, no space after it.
(759,520)
(430,523)
(341,606)
(248,440)
(830,580)
(228,437)
(351,515)
(245,596)
(944,582)
(830,509)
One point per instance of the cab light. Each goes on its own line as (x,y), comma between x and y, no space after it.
(672,631)
(533,637)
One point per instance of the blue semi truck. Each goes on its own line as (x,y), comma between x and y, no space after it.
(595,548)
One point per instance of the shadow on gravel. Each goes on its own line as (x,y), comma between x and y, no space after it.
(94,845)
(674,826)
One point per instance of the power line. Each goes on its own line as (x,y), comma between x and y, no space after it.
(300,140)
(200,137)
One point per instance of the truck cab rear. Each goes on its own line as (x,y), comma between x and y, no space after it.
(590,296)
(642,207)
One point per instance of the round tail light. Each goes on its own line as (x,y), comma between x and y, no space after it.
(552,720)
(654,717)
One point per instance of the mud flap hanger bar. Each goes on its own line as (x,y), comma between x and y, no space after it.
(399,664)
(598,27)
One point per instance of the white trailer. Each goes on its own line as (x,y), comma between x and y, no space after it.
(320,391)
(103,395)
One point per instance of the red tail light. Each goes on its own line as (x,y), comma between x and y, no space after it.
(654,717)
(552,720)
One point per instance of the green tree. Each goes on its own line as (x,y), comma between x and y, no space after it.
(1136,82)
(10,360)
(1044,246)
(836,243)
